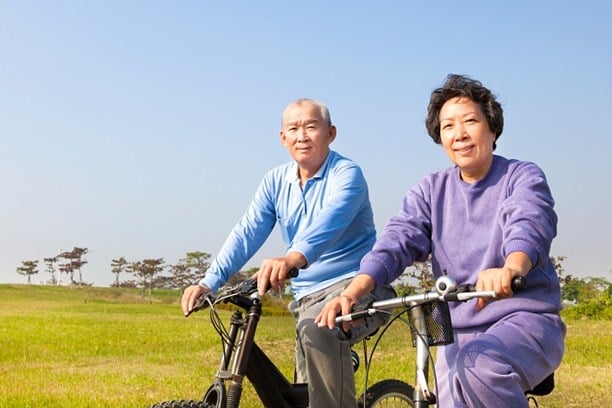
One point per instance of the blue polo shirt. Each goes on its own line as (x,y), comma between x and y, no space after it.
(329,221)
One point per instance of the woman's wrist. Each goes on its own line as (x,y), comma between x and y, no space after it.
(350,297)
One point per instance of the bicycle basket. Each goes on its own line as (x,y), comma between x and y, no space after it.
(438,323)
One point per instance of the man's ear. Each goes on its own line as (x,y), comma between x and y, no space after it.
(332,133)
(282,138)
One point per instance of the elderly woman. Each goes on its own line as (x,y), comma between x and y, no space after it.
(484,220)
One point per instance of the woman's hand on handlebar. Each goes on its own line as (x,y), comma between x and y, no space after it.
(343,304)
(339,305)
(190,295)
(499,280)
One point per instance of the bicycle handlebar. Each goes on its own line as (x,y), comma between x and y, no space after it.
(446,291)
(246,288)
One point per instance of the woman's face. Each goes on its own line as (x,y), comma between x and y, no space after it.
(466,138)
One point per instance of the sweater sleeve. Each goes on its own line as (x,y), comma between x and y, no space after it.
(528,218)
(405,239)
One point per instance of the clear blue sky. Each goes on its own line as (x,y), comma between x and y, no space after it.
(142,128)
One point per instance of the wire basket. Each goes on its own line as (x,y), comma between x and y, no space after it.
(438,323)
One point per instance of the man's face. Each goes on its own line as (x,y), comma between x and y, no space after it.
(307,136)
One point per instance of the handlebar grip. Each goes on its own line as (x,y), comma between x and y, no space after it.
(518,283)
(293,272)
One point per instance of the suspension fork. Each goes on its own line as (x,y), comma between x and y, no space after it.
(243,354)
(236,322)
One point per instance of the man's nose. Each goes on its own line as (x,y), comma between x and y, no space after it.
(302,135)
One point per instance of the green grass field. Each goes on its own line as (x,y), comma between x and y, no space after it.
(108,347)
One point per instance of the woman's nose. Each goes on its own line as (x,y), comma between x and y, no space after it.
(460,132)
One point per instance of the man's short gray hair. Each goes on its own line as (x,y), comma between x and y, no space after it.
(323,110)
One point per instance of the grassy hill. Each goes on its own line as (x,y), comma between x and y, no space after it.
(109,347)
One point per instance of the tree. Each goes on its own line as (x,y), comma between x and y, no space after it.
(240,276)
(147,270)
(73,261)
(50,263)
(188,270)
(421,272)
(557,262)
(180,276)
(592,297)
(79,253)
(571,287)
(28,268)
(198,261)
(118,266)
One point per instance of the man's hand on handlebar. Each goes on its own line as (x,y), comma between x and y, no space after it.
(190,295)
(274,271)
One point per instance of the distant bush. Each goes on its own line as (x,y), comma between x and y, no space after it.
(598,308)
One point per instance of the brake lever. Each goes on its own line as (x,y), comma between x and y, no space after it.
(201,302)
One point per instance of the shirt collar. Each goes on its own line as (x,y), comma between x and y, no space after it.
(292,170)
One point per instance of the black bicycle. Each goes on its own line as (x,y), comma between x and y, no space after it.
(242,358)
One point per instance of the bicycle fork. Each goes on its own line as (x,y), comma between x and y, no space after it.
(422,397)
(233,365)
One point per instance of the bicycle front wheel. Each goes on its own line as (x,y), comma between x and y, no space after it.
(387,394)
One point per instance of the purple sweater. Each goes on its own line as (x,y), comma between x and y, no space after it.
(471,227)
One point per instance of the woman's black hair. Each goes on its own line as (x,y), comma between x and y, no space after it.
(463,86)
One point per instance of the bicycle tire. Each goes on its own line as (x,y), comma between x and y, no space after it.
(387,393)
(180,404)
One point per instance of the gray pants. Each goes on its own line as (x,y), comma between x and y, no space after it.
(323,356)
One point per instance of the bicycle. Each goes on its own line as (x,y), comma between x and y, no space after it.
(241,357)
(430,325)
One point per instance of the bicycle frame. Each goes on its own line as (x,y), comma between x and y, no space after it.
(243,357)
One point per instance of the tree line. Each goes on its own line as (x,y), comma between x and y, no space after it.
(65,262)
(146,274)
(591,296)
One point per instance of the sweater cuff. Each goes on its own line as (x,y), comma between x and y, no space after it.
(518,245)
(373,268)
